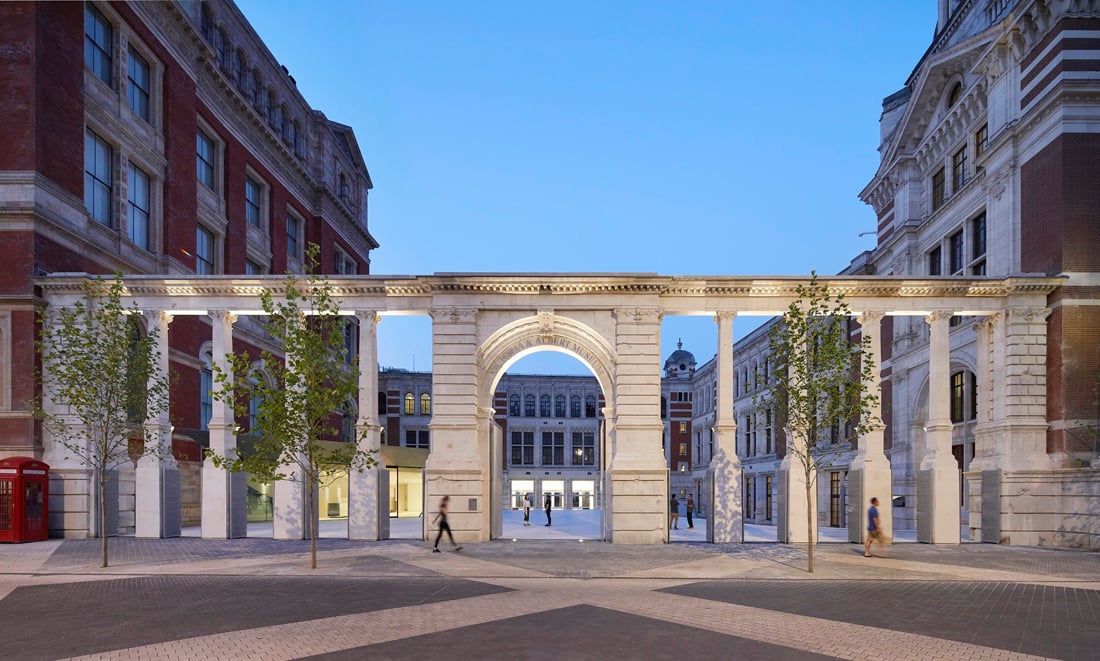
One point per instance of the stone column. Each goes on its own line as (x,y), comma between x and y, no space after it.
(223,493)
(792,477)
(869,473)
(938,479)
(157,474)
(458,463)
(638,473)
(725,521)
(368,491)
(290,517)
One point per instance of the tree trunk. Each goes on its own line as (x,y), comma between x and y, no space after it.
(310,503)
(809,522)
(103,516)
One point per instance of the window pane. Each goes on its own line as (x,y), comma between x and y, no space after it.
(138,202)
(98,36)
(205,160)
(252,202)
(204,252)
(137,89)
(97,178)
(292,232)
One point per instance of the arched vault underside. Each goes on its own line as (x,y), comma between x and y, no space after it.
(482,323)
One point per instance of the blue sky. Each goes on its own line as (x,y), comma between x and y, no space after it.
(700,138)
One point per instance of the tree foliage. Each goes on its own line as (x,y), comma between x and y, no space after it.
(816,380)
(300,393)
(101,382)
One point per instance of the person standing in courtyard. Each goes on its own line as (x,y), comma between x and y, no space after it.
(441,517)
(546,504)
(527,509)
(674,512)
(874,529)
(689,506)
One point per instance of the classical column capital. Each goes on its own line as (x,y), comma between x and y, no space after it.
(938,316)
(368,316)
(159,317)
(453,314)
(639,315)
(223,316)
(724,315)
(870,317)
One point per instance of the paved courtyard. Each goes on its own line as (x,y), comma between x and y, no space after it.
(548,596)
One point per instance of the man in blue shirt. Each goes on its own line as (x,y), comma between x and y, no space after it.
(874,531)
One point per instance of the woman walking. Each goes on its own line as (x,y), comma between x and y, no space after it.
(441,517)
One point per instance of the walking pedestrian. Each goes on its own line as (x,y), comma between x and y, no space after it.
(441,517)
(690,507)
(674,512)
(527,509)
(547,505)
(874,529)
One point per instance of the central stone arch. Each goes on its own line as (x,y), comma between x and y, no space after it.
(546,331)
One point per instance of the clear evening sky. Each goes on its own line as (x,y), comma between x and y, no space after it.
(679,138)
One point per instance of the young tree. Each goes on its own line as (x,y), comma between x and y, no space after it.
(102,380)
(300,402)
(819,384)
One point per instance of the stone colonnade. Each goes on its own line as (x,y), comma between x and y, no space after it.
(481,324)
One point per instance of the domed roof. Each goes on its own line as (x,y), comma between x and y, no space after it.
(680,360)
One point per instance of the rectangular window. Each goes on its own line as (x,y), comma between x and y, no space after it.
(523,448)
(584,448)
(97,178)
(768,497)
(206,400)
(137,196)
(343,264)
(137,84)
(935,261)
(958,169)
(417,438)
(252,268)
(938,189)
(956,255)
(973,397)
(977,236)
(683,427)
(553,448)
(981,140)
(204,251)
(293,231)
(204,148)
(957,390)
(97,42)
(252,193)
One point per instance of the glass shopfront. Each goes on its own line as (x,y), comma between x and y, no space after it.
(521,488)
(584,494)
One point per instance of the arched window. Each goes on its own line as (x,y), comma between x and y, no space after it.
(263,101)
(544,406)
(513,405)
(219,49)
(248,87)
(590,407)
(529,406)
(410,404)
(288,127)
(235,67)
(206,385)
(206,24)
(954,96)
(425,404)
(559,406)
(275,114)
(299,141)
(575,406)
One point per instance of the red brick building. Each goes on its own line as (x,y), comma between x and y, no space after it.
(159,138)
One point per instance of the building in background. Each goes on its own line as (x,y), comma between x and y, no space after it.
(990,163)
(158,138)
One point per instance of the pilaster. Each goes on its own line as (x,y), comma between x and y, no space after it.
(223,493)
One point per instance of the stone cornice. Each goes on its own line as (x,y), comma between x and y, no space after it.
(671,294)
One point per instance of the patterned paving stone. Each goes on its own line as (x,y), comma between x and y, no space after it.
(1056,622)
(53,621)
(577,632)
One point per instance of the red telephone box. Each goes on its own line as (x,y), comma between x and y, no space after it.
(24,499)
